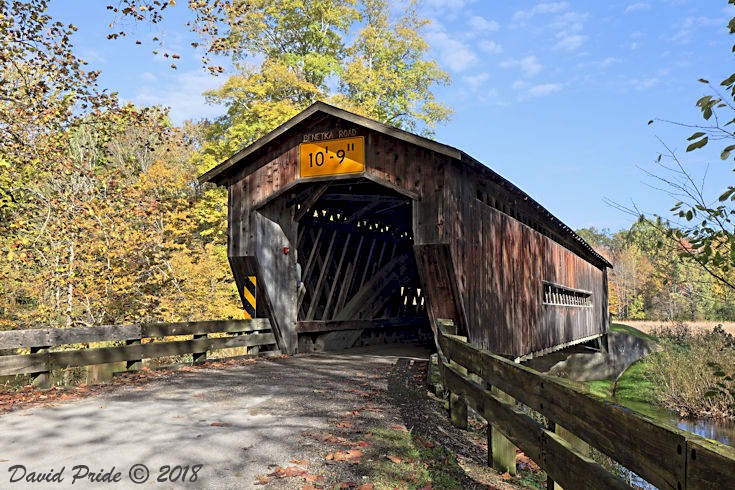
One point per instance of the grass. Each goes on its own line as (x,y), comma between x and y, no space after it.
(407,461)
(622,328)
(633,389)
(691,375)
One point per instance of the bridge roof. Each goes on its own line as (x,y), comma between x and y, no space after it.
(237,163)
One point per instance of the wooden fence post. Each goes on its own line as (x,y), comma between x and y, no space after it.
(133,364)
(458,411)
(41,379)
(200,357)
(575,442)
(550,483)
(501,453)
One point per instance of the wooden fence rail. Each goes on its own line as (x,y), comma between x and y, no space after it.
(143,341)
(667,457)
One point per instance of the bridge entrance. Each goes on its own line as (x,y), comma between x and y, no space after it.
(359,282)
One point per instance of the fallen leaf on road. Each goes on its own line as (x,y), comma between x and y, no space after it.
(352,456)
(261,480)
(288,472)
(313,478)
(399,427)
(302,462)
(366,486)
(344,424)
(221,424)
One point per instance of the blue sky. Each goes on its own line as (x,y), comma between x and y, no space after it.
(554,96)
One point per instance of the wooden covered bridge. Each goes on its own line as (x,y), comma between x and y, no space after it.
(354,231)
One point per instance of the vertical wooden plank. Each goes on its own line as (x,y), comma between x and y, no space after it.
(41,379)
(277,275)
(199,357)
(133,364)
(501,452)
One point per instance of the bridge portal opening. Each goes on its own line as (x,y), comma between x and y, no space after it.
(359,279)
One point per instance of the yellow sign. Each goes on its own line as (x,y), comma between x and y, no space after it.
(332,157)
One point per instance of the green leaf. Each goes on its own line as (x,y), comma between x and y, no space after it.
(727,194)
(698,144)
(726,152)
(702,102)
(696,135)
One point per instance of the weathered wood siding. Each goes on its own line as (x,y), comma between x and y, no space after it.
(500,262)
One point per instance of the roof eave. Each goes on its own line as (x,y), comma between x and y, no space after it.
(219,173)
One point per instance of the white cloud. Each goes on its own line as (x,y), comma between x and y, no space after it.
(182,92)
(491,47)
(476,81)
(450,9)
(610,60)
(634,7)
(570,21)
(644,84)
(527,90)
(569,42)
(478,23)
(445,4)
(543,89)
(452,52)
(691,24)
(529,65)
(148,77)
(541,8)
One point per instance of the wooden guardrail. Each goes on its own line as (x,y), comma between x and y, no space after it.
(666,457)
(142,341)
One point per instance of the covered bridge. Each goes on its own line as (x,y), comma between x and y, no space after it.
(348,230)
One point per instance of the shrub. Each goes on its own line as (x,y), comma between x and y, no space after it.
(692,374)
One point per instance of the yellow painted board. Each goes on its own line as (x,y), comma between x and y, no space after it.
(332,157)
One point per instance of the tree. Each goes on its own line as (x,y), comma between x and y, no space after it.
(289,55)
(97,215)
(706,232)
(386,75)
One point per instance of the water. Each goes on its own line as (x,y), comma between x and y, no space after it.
(716,429)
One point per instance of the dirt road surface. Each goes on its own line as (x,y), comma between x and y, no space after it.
(228,428)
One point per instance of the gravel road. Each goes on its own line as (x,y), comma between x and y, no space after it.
(237,423)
